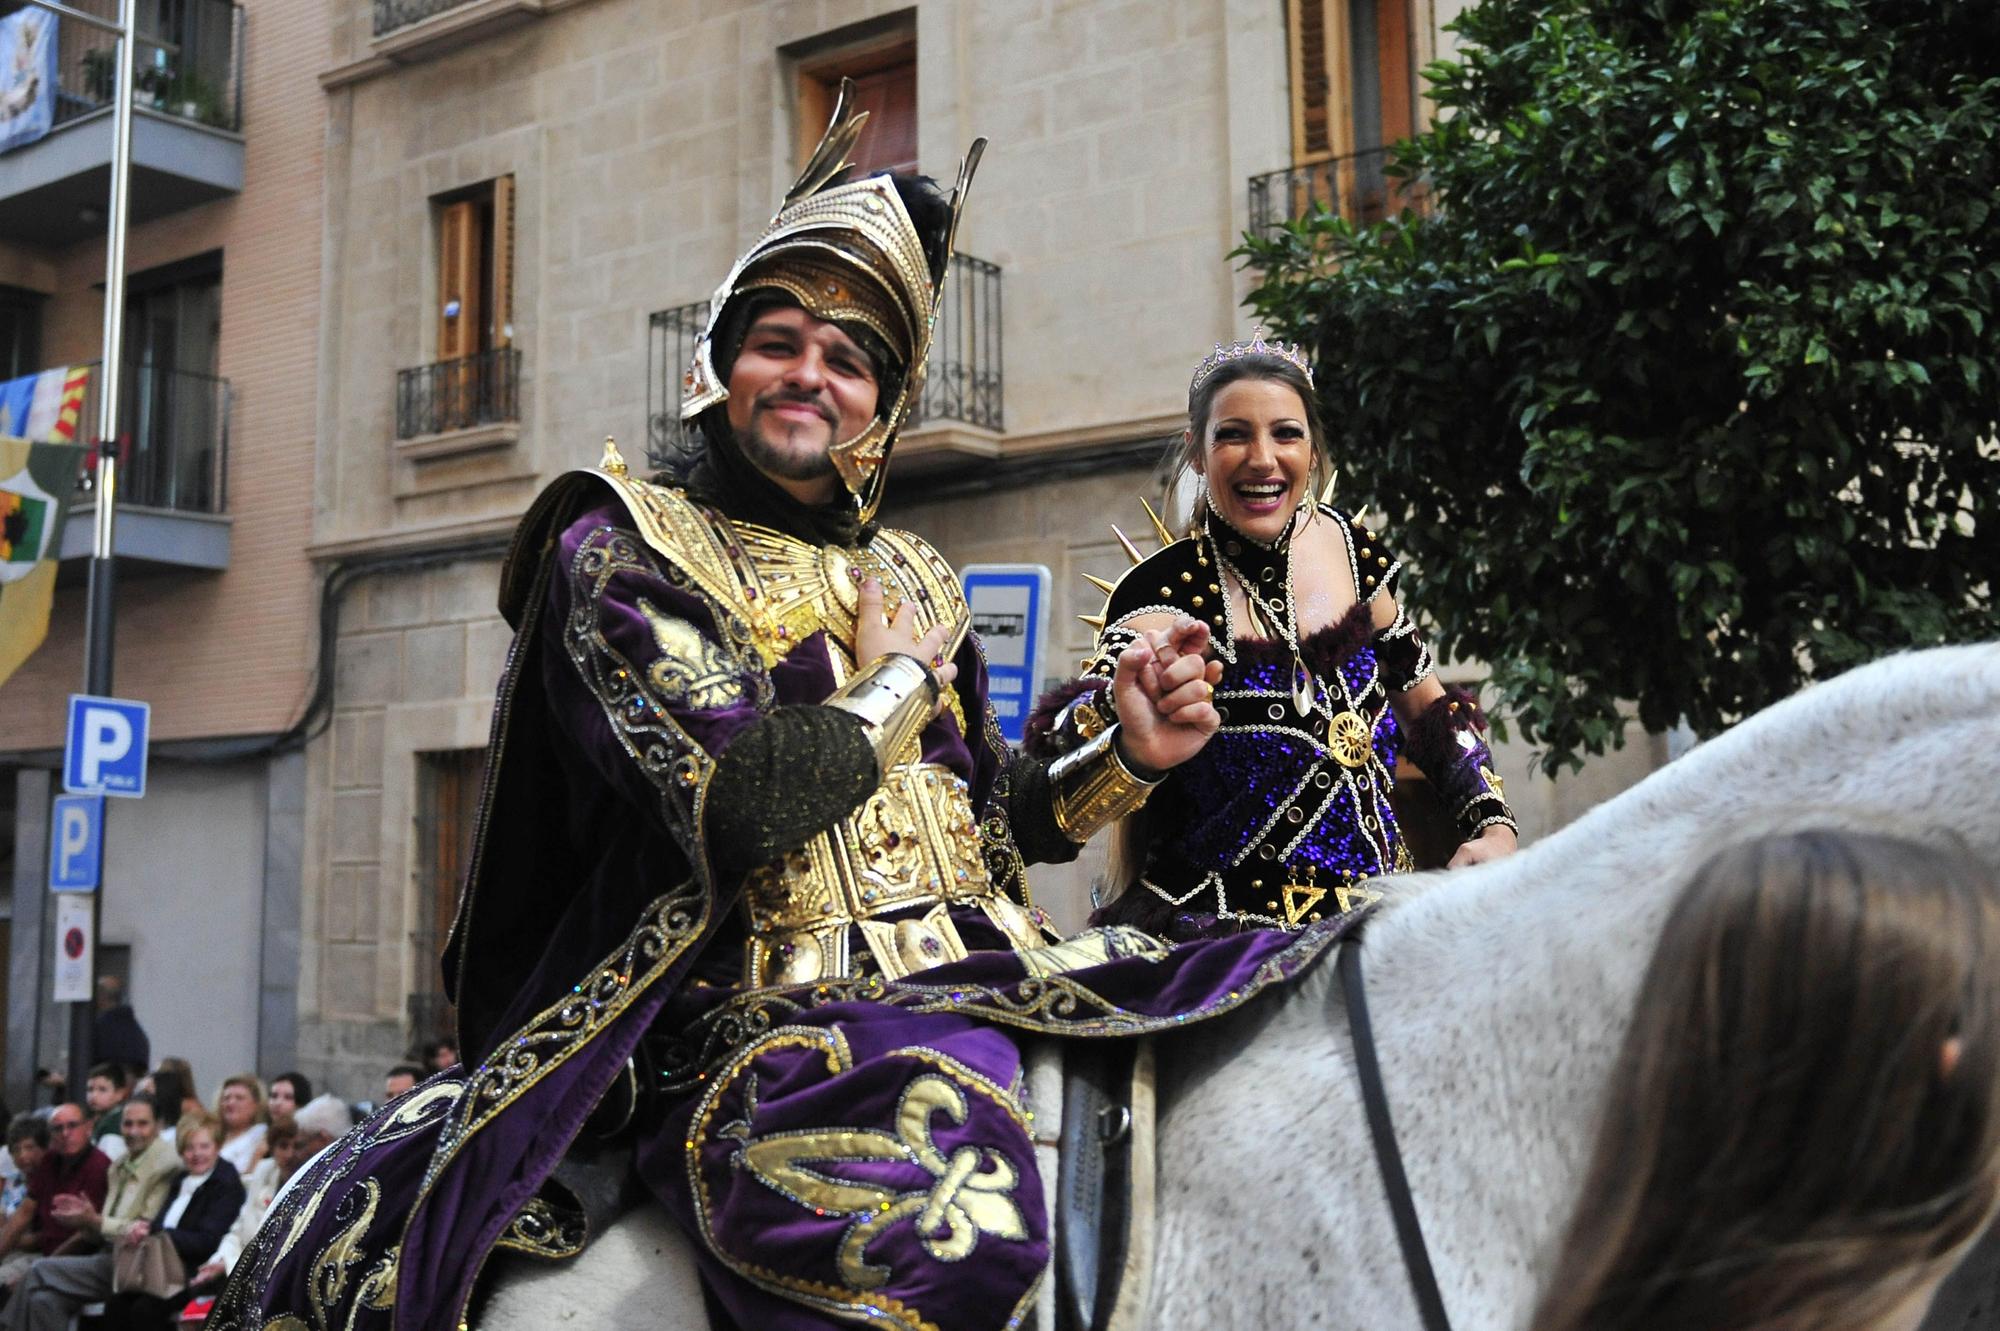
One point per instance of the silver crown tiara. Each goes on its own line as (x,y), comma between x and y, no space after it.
(1256,346)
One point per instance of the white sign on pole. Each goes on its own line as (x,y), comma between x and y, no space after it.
(73,947)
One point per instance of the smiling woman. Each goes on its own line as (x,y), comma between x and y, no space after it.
(1285,818)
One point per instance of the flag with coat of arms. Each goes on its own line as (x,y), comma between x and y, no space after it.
(40,459)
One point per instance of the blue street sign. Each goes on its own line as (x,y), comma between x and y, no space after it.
(76,840)
(105,753)
(1010,613)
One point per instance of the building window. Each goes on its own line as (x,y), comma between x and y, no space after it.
(20,332)
(883,64)
(475,237)
(448,786)
(1354,92)
(173,408)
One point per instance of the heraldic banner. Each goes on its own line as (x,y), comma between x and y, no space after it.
(40,459)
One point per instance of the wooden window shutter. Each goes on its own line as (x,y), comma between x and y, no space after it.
(1314,35)
(889,95)
(460,264)
(501,333)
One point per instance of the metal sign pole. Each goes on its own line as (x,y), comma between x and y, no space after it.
(100,617)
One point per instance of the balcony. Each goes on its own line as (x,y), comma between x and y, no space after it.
(1355,186)
(187,109)
(407,31)
(962,389)
(455,406)
(173,456)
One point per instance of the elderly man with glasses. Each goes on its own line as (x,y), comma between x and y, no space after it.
(72,1167)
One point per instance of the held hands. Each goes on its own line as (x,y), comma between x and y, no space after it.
(1496,842)
(137,1234)
(876,635)
(1164,690)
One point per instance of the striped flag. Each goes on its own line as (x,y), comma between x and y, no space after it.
(39,463)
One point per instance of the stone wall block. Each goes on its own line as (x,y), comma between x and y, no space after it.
(434,663)
(367,667)
(346,888)
(349,980)
(469,590)
(397,601)
(357,827)
(357,749)
(486,645)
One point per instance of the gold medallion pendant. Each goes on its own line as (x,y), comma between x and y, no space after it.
(1347,736)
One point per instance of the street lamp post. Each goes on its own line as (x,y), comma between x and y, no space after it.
(100,618)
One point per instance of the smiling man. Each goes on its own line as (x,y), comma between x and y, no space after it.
(72,1167)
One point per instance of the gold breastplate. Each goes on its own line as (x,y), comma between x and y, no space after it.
(802,589)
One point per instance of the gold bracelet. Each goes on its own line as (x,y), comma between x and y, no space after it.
(1093,787)
(894,697)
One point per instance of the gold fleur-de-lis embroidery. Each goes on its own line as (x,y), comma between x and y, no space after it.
(971,1195)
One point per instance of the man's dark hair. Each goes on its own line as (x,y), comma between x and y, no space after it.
(406,1070)
(28,1127)
(140,1099)
(112,1072)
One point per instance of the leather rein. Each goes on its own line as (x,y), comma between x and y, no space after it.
(1388,1157)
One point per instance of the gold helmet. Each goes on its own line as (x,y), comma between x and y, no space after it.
(848,253)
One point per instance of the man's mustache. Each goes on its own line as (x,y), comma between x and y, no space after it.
(783,399)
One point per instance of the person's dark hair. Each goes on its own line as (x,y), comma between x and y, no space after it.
(170,1092)
(28,1127)
(112,1072)
(142,1098)
(302,1087)
(406,1070)
(1254,365)
(1784,1146)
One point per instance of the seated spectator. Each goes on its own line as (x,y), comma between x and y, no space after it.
(190,1102)
(58,1287)
(240,1107)
(440,1054)
(322,1122)
(289,1090)
(261,1189)
(27,1141)
(104,1095)
(401,1078)
(71,1166)
(168,1092)
(202,1203)
(1803,1128)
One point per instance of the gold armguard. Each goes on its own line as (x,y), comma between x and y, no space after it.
(1093,787)
(894,698)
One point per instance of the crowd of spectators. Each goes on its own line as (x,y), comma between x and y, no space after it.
(131,1207)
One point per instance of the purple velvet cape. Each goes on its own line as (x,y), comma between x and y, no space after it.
(590,908)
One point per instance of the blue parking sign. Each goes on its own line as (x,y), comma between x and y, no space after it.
(76,840)
(105,752)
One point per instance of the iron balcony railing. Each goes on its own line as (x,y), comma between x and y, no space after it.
(964,382)
(393,14)
(1356,186)
(459,394)
(188,65)
(173,437)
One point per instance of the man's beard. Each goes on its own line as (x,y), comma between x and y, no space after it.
(779,461)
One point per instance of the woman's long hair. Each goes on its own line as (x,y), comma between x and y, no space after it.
(1783,1147)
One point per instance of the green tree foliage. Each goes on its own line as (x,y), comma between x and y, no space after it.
(1687,383)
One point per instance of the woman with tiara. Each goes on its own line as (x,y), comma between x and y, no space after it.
(1284,818)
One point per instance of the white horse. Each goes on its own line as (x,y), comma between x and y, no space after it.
(1500,995)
